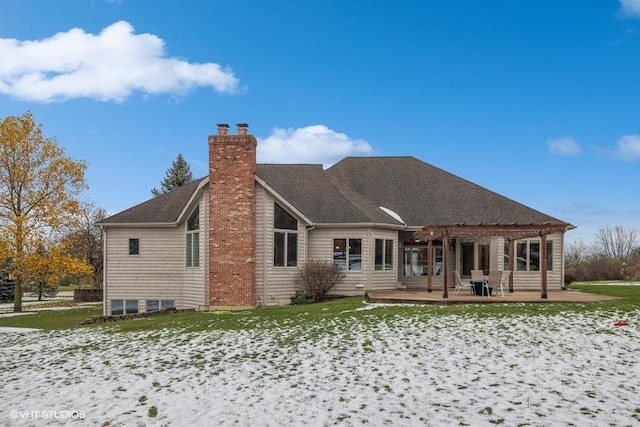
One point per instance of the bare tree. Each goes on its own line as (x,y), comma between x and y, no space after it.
(85,238)
(616,242)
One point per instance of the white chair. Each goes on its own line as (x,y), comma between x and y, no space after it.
(495,281)
(478,276)
(504,280)
(461,285)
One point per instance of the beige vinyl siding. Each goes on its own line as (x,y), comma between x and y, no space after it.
(387,279)
(321,247)
(159,272)
(421,282)
(531,280)
(194,290)
(274,285)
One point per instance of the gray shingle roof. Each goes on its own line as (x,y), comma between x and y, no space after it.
(353,190)
(425,195)
(320,196)
(164,209)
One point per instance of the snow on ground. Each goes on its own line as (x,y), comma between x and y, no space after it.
(414,370)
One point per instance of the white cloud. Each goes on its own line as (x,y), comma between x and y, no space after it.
(311,144)
(628,147)
(109,66)
(565,146)
(630,8)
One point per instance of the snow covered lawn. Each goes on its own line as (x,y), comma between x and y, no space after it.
(358,368)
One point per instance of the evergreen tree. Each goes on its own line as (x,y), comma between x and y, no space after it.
(177,175)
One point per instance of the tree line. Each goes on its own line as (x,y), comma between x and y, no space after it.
(614,255)
(48,235)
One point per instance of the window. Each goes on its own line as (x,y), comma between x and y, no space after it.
(347,254)
(528,255)
(506,265)
(383,255)
(468,251)
(129,306)
(483,258)
(285,238)
(155,305)
(134,246)
(193,240)
(415,261)
(117,307)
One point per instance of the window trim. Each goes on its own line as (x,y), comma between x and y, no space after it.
(289,260)
(348,254)
(438,266)
(386,266)
(192,240)
(163,304)
(124,306)
(526,243)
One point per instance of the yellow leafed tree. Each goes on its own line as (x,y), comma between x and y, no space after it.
(39,190)
(51,262)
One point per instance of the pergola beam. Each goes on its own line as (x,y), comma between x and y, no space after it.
(511,232)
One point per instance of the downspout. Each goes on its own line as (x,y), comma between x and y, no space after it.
(264,257)
(104,271)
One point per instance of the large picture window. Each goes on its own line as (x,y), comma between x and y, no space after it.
(528,255)
(415,261)
(347,254)
(193,240)
(285,238)
(383,255)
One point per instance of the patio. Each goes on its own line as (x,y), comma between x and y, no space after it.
(424,297)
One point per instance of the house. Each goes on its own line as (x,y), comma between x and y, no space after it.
(237,237)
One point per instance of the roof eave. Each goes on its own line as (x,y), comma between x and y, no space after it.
(173,224)
(361,225)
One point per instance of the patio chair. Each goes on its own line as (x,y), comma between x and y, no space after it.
(495,281)
(477,276)
(461,285)
(505,280)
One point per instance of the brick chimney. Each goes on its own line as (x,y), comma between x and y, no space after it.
(232,218)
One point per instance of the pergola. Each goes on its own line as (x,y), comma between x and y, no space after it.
(511,232)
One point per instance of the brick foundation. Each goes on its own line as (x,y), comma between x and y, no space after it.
(232,223)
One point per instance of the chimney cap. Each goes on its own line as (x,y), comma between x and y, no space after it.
(223,125)
(242,125)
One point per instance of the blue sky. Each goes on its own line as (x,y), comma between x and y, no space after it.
(536,100)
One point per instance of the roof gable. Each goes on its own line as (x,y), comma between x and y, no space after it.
(320,196)
(164,209)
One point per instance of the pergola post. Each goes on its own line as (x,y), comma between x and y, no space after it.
(512,232)
(512,262)
(445,247)
(429,266)
(543,264)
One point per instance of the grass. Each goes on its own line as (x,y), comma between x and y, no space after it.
(277,317)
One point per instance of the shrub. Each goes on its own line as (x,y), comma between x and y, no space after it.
(316,278)
(301,297)
(569,279)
